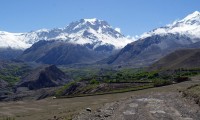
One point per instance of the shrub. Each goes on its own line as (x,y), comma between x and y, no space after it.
(152,75)
(181,79)
(94,81)
(161,82)
(60,91)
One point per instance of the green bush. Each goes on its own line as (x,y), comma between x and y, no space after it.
(60,91)
(10,79)
(181,79)
(161,82)
(94,81)
(153,75)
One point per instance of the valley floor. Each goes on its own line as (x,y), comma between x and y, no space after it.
(162,103)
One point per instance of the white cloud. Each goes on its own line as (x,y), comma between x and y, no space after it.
(118,30)
(132,38)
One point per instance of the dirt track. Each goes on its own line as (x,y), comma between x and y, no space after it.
(164,106)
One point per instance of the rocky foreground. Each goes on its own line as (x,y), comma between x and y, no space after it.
(168,106)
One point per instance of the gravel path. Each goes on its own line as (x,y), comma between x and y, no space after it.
(153,106)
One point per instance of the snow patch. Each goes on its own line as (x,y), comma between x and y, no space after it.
(192,16)
(118,30)
(92,21)
(13,40)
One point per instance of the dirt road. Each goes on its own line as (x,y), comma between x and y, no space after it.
(163,106)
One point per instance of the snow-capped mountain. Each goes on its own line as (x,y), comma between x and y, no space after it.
(153,45)
(85,31)
(189,26)
(13,40)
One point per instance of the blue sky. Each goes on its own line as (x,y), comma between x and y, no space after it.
(133,16)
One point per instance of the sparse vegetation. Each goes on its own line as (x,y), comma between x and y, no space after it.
(7,118)
(161,82)
(60,91)
(96,82)
(12,73)
(107,81)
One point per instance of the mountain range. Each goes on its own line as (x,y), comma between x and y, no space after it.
(153,45)
(91,40)
(93,33)
(83,41)
(62,53)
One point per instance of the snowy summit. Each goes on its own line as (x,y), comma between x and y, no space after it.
(85,31)
(190,26)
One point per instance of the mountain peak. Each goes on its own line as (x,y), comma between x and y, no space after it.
(194,15)
(84,31)
(95,25)
(84,24)
(92,20)
(190,26)
(95,31)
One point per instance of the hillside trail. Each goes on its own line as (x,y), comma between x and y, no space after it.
(165,103)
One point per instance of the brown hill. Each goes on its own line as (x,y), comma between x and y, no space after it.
(185,58)
(42,77)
